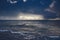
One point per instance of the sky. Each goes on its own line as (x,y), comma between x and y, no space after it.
(29,9)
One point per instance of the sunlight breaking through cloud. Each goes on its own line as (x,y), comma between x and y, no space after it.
(30,17)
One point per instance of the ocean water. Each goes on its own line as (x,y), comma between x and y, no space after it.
(29,30)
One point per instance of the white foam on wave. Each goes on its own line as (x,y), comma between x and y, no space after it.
(3,30)
(54,36)
(29,37)
(16,32)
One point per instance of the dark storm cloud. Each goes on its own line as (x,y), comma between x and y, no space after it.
(30,6)
(57,6)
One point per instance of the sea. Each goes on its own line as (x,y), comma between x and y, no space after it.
(29,29)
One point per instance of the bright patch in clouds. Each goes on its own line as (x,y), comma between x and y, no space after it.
(24,0)
(30,17)
(52,4)
(12,2)
(51,7)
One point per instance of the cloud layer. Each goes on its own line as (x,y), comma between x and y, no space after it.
(49,9)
